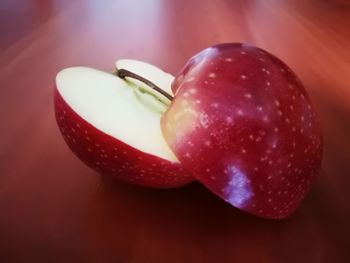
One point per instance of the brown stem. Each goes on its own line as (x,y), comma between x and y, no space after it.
(122,73)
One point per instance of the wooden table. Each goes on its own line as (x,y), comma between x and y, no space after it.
(55,209)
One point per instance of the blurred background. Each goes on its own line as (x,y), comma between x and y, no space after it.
(55,209)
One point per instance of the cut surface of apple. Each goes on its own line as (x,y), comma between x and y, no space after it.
(113,106)
(121,109)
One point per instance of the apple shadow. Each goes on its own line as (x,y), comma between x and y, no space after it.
(193,223)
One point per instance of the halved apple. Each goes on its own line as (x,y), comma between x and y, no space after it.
(113,124)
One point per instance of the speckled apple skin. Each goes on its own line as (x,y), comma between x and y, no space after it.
(243,124)
(111,157)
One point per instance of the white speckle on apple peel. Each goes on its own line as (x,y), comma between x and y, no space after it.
(248,95)
(215,105)
(265,118)
(229,120)
(240,112)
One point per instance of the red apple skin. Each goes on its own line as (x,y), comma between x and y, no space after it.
(111,157)
(243,125)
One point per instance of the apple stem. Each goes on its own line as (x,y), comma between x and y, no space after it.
(122,73)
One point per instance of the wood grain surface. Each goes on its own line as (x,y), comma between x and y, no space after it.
(55,209)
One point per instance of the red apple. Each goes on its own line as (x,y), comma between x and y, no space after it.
(243,125)
(113,124)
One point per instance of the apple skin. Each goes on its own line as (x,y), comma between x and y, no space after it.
(243,125)
(111,157)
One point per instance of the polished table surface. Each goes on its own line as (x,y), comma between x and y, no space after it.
(55,209)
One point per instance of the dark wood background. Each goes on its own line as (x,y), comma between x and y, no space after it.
(55,209)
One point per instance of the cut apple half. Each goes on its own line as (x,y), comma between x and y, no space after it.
(113,124)
(116,107)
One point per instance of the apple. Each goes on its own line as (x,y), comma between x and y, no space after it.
(113,124)
(235,118)
(243,125)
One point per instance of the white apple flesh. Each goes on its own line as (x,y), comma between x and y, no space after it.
(113,124)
